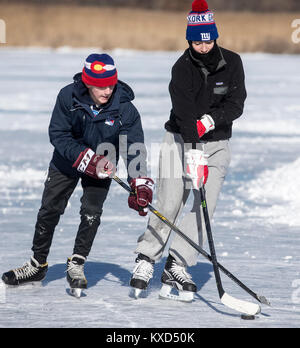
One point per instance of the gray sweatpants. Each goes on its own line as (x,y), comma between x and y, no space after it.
(172,191)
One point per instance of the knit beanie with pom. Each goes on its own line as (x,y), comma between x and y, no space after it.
(201,24)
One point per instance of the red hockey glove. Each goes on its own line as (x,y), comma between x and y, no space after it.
(197,168)
(142,194)
(205,124)
(96,166)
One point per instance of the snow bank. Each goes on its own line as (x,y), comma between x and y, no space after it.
(280,189)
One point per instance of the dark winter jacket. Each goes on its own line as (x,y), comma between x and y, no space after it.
(74,127)
(195,91)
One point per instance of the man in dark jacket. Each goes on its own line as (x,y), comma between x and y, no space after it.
(208,92)
(90,116)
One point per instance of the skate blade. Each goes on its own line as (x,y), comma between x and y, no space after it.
(25,286)
(137,293)
(76,292)
(182,296)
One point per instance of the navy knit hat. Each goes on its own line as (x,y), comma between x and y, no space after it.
(99,70)
(201,24)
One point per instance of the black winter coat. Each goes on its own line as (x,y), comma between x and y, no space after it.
(195,92)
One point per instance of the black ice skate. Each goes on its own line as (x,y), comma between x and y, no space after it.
(30,272)
(142,273)
(75,275)
(176,277)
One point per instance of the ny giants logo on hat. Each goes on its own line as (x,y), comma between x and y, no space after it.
(205,36)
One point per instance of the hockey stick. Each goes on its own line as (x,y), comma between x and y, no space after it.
(260,299)
(229,301)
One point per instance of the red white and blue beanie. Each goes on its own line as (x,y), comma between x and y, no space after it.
(99,70)
(201,24)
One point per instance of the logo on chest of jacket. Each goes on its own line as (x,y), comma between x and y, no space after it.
(110,122)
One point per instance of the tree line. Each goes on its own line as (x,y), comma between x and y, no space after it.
(179,5)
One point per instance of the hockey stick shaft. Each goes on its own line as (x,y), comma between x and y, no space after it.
(227,300)
(260,299)
(211,242)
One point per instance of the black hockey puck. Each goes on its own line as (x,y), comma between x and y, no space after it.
(247,317)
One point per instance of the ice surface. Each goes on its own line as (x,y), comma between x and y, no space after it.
(256,225)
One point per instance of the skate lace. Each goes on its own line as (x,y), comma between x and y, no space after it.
(143,269)
(75,270)
(180,273)
(26,271)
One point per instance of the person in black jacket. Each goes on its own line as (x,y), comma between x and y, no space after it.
(207,91)
(90,118)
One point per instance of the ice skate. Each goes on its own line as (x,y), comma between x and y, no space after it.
(75,275)
(30,272)
(142,273)
(177,282)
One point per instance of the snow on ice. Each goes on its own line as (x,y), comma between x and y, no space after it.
(256,224)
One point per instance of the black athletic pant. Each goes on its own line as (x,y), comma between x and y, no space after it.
(57,192)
